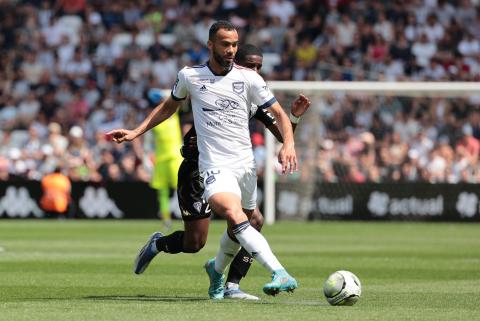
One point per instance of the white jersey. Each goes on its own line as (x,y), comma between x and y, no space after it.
(221,110)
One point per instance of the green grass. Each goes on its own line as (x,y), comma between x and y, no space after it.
(81,270)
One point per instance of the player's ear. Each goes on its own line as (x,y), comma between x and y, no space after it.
(209,44)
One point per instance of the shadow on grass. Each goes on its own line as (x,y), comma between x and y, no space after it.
(146,298)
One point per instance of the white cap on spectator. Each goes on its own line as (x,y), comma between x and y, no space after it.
(327,144)
(47,149)
(108,103)
(14,153)
(413,154)
(55,128)
(76,132)
(95,18)
(467,130)
(21,167)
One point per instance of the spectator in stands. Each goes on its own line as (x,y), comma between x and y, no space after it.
(67,63)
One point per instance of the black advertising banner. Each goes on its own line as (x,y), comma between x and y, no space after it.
(116,200)
(20,199)
(136,200)
(128,200)
(397,201)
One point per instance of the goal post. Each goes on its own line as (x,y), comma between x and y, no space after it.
(286,91)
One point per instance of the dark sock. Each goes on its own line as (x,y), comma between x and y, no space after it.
(172,243)
(239,266)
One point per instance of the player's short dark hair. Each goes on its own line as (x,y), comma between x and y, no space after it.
(221,24)
(247,50)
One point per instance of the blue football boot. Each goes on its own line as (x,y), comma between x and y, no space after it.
(146,254)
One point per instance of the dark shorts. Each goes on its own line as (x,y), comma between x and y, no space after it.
(190,192)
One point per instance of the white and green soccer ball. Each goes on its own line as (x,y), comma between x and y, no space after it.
(342,288)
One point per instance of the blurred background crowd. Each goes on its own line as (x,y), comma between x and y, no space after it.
(74,69)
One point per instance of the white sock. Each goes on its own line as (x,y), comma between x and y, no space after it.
(230,285)
(257,246)
(228,249)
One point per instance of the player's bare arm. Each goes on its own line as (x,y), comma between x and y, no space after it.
(299,106)
(163,111)
(287,156)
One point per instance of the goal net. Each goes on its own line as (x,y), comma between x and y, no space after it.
(373,143)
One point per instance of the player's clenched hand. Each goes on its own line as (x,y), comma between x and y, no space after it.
(121,135)
(300,105)
(288,158)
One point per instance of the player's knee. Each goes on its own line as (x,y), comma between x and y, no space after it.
(194,244)
(234,215)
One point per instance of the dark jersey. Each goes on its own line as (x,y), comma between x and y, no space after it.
(190,183)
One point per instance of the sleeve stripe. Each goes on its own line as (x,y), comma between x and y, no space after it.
(177,98)
(268,103)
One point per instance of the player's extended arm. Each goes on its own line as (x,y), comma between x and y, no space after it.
(298,108)
(163,111)
(286,156)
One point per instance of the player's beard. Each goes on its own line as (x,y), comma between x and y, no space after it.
(222,62)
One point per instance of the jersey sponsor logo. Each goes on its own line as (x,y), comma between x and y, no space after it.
(97,203)
(228,113)
(238,87)
(203,89)
(17,202)
(224,104)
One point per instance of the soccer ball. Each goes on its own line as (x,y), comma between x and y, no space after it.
(342,288)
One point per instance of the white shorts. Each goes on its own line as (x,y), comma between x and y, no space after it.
(240,181)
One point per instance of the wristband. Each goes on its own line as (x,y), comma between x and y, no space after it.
(294,119)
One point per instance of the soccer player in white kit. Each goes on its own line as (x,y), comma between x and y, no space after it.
(222,95)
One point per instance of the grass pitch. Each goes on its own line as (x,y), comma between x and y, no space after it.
(82,270)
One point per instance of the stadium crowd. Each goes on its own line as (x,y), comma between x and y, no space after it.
(74,69)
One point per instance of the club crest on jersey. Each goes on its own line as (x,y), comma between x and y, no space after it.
(238,87)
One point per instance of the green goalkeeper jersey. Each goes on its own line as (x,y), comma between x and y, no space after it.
(168,139)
